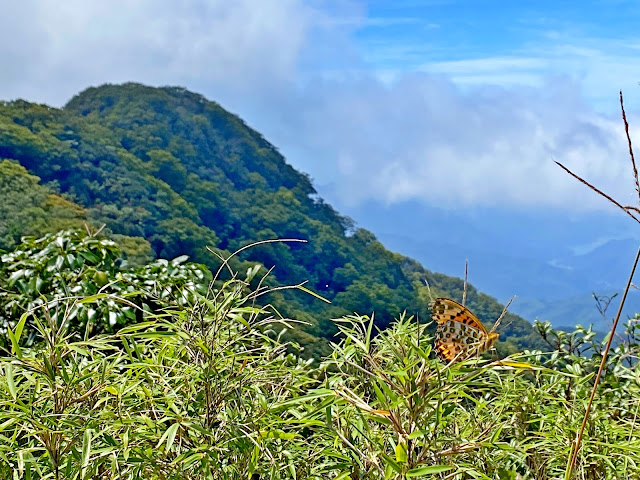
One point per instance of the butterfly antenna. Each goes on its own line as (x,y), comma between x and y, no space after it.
(466,273)
(504,312)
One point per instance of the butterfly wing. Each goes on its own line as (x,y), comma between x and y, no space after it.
(455,340)
(446,310)
(459,332)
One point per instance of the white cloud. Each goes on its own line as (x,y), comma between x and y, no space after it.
(50,50)
(424,138)
(291,69)
(489,65)
(600,67)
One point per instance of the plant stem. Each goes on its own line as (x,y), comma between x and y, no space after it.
(578,440)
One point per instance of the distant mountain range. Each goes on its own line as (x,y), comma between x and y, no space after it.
(551,263)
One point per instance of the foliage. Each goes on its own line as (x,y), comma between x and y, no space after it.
(71,264)
(206,390)
(169,166)
(197,393)
(407,415)
(28,208)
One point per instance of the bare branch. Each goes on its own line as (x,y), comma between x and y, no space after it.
(633,160)
(504,312)
(624,209)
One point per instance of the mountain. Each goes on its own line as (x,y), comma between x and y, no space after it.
(168,167)
(601,272)
(553,263)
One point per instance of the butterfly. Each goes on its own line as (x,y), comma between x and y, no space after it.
(459,333)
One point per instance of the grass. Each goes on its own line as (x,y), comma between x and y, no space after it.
(208,390)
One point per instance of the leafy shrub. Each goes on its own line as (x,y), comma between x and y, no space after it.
(71,264)
(203,386)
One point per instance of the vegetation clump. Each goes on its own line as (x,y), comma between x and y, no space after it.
(204,387)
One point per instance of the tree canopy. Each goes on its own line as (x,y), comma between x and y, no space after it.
(168,167)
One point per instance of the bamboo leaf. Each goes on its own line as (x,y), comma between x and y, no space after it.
(169,435)
(391,463)
(401,452)
(430,470)
(311,292)
(86,449)
(20,327)
(8,369)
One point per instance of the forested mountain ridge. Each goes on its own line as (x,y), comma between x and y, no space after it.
(171,167)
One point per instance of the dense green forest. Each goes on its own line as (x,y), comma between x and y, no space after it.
(171,173)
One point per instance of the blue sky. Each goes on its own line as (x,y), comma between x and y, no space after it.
(527,52)
(507,43)
(386,101)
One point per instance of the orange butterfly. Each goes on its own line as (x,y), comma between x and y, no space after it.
(459,333)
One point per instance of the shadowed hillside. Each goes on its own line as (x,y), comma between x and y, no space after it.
(178,170)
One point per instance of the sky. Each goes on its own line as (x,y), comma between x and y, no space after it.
(453,104)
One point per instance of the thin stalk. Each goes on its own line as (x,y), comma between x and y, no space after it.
(633,160)
(466,274)
(578,440)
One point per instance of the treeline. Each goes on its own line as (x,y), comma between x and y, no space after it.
(171,173)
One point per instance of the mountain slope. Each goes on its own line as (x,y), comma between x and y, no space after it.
(28,208)
(168,165)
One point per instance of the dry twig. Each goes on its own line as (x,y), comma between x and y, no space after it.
(466,273)
(633,160)
(627,210)
(575,447)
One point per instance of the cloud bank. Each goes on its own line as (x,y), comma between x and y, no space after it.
(293,71)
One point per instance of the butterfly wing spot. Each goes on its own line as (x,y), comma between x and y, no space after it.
(459,333)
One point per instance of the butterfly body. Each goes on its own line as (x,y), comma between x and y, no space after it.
(459,333)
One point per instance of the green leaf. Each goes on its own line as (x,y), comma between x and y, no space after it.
(430,470)
(391,463)
(379,395)
(112,390)
(78,349)
(401,452)
(49,368)
(10,381)
(15,347)
(8,423)
(86,448)
(178,260)
(20,326)
(169,435)
(310,292)
(343,476)
(518,365)
(418,434)
(497,433)
(15,276)
(173,430)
